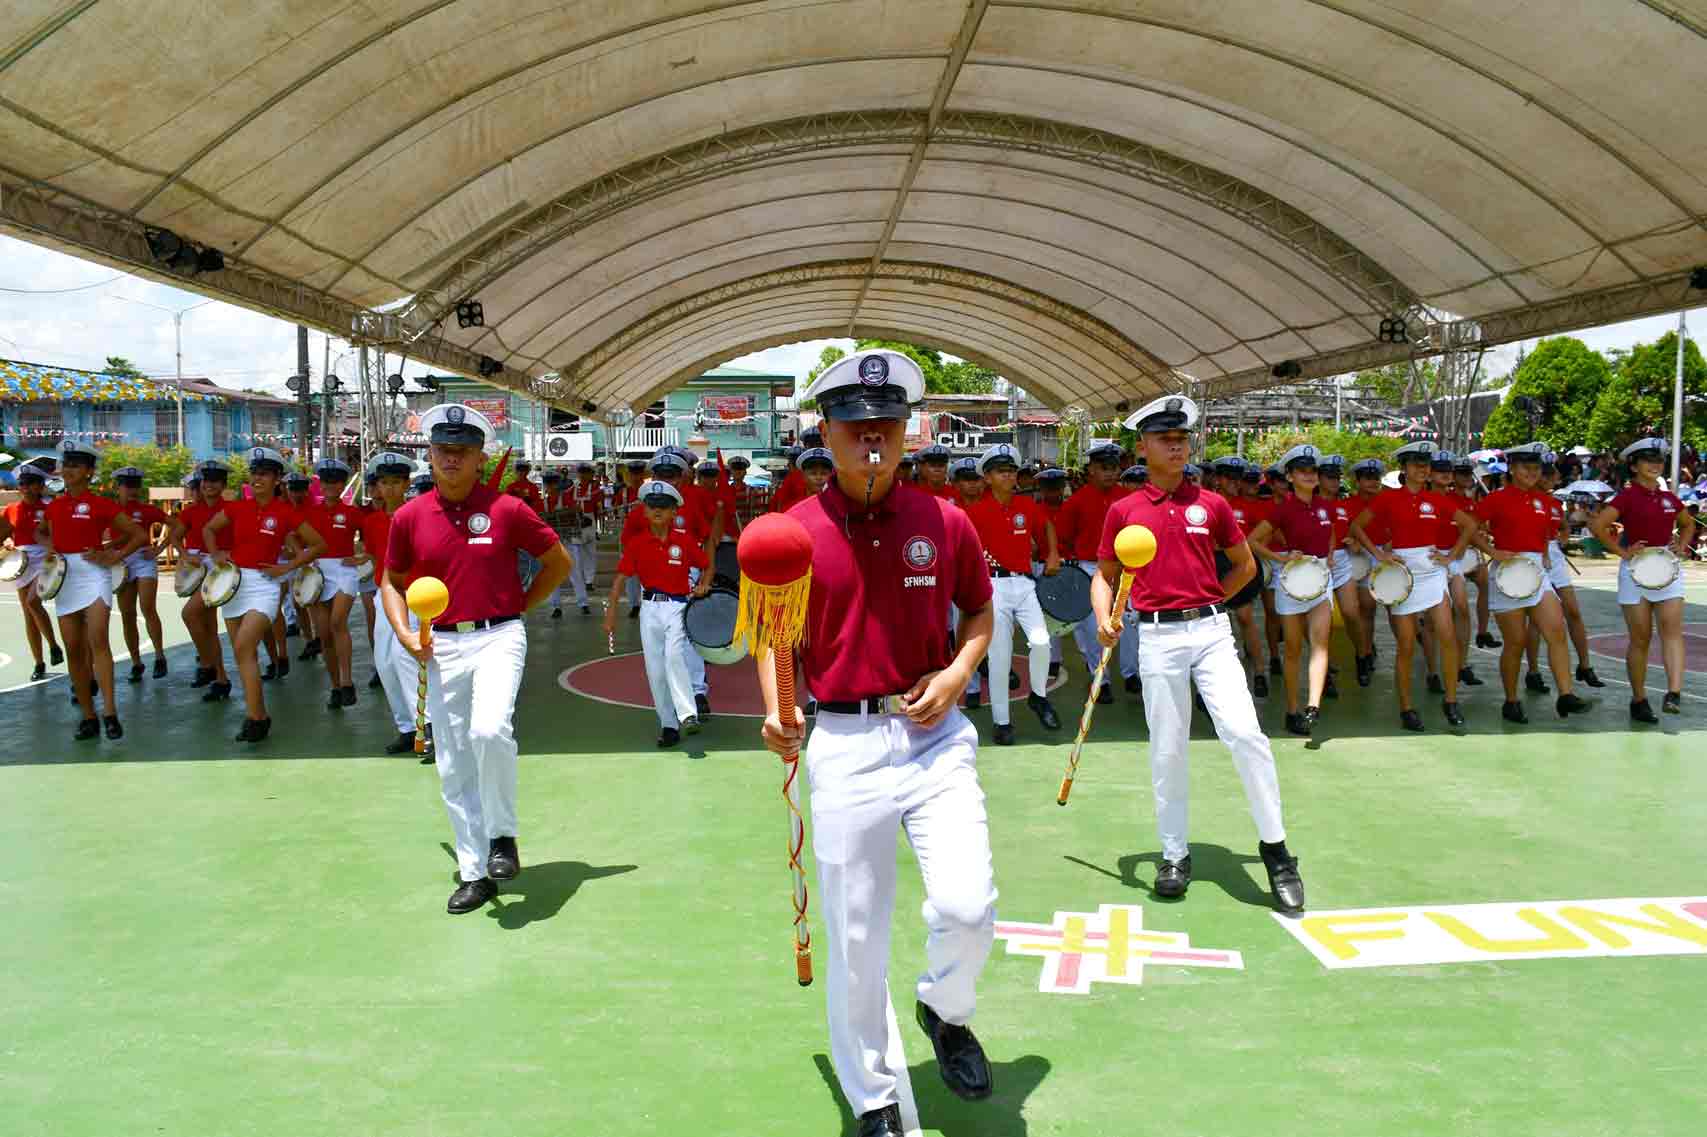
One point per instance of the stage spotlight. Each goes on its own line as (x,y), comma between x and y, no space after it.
(1123,406)
(427,382)
(469,314)
(297,383)
(394,383)
(210,260)
(589,407)
(163,244)
(1698,278)
(489,367)
(1287,369)
(1394,331)
(333,384)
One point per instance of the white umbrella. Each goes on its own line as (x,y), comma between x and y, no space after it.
(5,458)
(1589,488)
(1580,452)
(1390,479)
(1485,455)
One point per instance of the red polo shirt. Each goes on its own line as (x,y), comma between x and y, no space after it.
(471,546)
(1518,520)
(661,566)
(1309,528)
(1046,515)
(1448,536)
(337,523)
(790,492)
(944,492)
(78,522)
(685,522)
(258,533)
(525,490)
(24,517)
(700,504)
(194,517)
(587,496)
(1649,517)
(881,586)
(376,535)
(1378,530)
(144,514)
(1190,525)
(1344,510)
(1006,531)
(1078,527)
(1555,510)
(1413,519)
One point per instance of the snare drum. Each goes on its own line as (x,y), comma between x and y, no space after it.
(1065,599)
(52,577)
(13,565)
(220,584)
(1391,583)
(1655,569)
(1305,578)
(725,565)
(1519,578)
(189,577)
(306,588)
(710,621)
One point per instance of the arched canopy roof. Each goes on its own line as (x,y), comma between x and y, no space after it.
(1098,198)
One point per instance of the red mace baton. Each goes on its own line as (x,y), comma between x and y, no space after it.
(775,554)
(1135,545)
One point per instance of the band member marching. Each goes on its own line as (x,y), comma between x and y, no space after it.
(1330,472)
(338,522)
(1248,512)
(1653,523)
(470,537)
(1366,486)
(560,505)
(141,586)
(1078,529)
(72,527)
(1444,482)
(1307,524)
(1412,515)
(201,621)
(1559,572)
(589,500)
(19,523)
(1179,600)
(1519,525)
(1464,475)
(890,750)
(397,669)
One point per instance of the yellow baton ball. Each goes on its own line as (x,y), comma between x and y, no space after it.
(427,597)
(1135,545)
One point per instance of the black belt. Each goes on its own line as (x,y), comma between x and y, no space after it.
(876,705)
(654,594)
(474,625)
(1180,615)
(998,573)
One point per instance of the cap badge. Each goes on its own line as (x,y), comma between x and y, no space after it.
(1172,406)
(454,415)
(874,371)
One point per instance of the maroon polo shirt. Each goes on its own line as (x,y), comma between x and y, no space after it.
(1649,517)
(471,546)
(881,586)
(1307,528)
(1190,525)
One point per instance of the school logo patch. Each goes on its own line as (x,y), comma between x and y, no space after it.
(337,519)
(270,524)
(82,509)
(479,523)
(1425,508)
(1321,515)
(1019,521)
(1196,514)
(920,553)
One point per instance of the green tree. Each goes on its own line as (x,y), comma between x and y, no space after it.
(160,465)
(1638,401)
(941,378)
(1399,384)
(119,365)
(1267,447)
(1553,393)
(829,355)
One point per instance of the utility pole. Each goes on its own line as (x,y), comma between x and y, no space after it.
(1677,401)
(302,395)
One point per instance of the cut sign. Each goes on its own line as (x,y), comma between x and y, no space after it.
(1108,946)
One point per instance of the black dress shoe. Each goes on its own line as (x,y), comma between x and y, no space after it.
(55,657)
(1467,676)
(586,610)
(335,701)
(1275,667)
(270,673)
(159,667)
(1570,704)
(1672,704)
(39,673)
(504,861)
(702,704)
(1330,689)
(557,613)
(309,650)
(255,730)
(1259,685)
(1310,716)
(690,725)
(973,700)
(284,667)
(1054,671)
(1105,696)
(1454,716)
(88,728)
(1642,711)
(669,736)
(216,692)
(1365,669)
(137,671)
(203,676)
(1013,680)
(292,630)
(634,612)
(1173,878)
(1295,724)
(1485,639)
(348,694)
(1284,882)
(1587,675)
(471,894)
(1411,720)
(374,683)
(885,1122)
(961,1060)
(1533,682)
(1435,686)
(114,729)
(1003,734)
(404,743)
(1513,712)
(1133,686)
(1045,711)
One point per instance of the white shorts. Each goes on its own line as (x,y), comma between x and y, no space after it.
(85,583)
(368,587)
(1629,592)
(1339,569)
(1499,602)
(142,564)
(336,577)
(1559,569)
(1428,581)
(34,555)
(256,592)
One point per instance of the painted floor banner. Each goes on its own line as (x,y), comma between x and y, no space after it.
(1477,933)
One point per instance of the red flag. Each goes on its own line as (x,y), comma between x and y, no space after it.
(498,475)
(722,471)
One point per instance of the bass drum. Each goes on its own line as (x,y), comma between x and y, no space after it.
(1065,599)
(52,577)
(13,565)
(189,577)
(220,584)
(306,588)
(710,623)
(1391,583)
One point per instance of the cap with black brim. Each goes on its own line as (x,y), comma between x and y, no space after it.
(863,404)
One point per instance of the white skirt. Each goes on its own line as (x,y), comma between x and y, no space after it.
(1499,602)
(142,564)
(1339,569)
(337,577)
(1630,593)
(1428,581)
(1558,570)
(1464,565)
(256,592)
(1285,605)
(85,583)
(34,555)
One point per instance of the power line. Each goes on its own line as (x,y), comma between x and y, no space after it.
(62,291)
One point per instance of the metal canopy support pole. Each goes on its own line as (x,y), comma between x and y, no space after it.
(303,397)
(1677,401)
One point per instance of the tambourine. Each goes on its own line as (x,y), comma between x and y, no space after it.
(1391,582)
(1518,578)
(220,584)
(52,577)
(1361,564)
(189,577)
(13,565)
(1305,579)
(1655,568)
(364,571)
(308,585)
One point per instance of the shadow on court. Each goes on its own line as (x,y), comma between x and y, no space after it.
(1214,865)
(541,891)
(1001,1115)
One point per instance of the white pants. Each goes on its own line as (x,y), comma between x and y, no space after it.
(589,546)
(871,775)
(1170,658)
(1128,646)
(574,580)
(664,635)
(399,672)
(471,696)
(1016,602)
(1086,632)
(695,662)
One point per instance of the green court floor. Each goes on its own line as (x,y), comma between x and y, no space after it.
(203,940)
